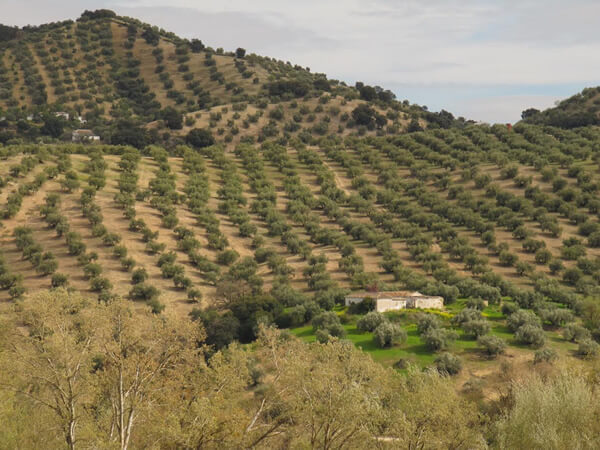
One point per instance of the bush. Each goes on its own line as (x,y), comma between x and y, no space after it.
(588,348)
(100,284)
(437,339)
(155,306)
(322,335)
(547,355)
(466,315)
(59,280)
(194,295)
(370,321)
(227,257)
(367,305)
(327,324)
(139,275)
(557,316)
(448,364)
(427,322)
(492,345)
(387,334)
(520,318)
(143,291)
(325,320)
(200,138)
(531,335)
(476,328)
(576,333)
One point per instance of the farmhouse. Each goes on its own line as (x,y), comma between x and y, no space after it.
(62,114)
(394,300)
(84,136)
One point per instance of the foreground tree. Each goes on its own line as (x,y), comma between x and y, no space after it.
(142,356)
(50,363)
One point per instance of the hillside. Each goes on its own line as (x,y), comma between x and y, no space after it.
(579,110)
(485,216)
(181,282)
(135,84)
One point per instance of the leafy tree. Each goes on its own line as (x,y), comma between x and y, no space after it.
(492,345)
(172,117)
(200,138)
(550,414)
(476,328)
(448,364)
(196,46)
(531,335)
(388,334)
(370,321)
(240,52)
(53,126)
(437,339)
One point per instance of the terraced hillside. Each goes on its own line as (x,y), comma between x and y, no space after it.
(483,216)
(114,75)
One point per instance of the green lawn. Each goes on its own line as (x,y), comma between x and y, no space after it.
(414,351)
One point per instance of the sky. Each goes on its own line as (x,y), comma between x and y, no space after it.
(482,59)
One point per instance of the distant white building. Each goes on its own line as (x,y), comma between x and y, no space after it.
(395,300)
(84,136)
(30,117)
(64,115)
(81,119)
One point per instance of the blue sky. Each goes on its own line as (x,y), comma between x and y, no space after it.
(482,59)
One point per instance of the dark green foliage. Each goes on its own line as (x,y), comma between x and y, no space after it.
(370,321)
(200,138)
(172,117)
(387,334)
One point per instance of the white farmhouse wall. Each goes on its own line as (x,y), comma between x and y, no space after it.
(387,304)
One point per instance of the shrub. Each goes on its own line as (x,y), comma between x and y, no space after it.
(59,280)
(492,345)
(200,138)
(436,339)
(427,322)
(466,315)
(143,291)
(547,355)
(387,334)
(111,239)
(139,275)
(325,320)
(531,335)
(92,270)
(127,263)
(155,306)
(476,328)
(322,335)
(100,284)
(327,324)
(522,317)
(557,316)
(588,348)
(576,333)
(227,257)
(194,295)
(448,364)
(363,307)
(370,321)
